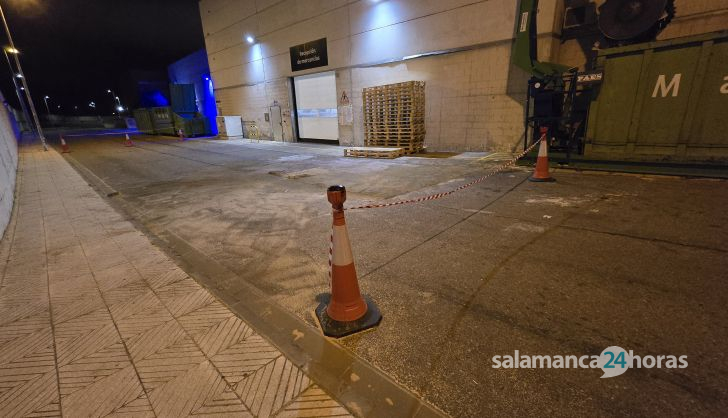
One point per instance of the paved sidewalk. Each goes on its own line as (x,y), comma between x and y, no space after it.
(96,321)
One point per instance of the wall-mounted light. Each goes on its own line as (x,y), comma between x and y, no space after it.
(250,39)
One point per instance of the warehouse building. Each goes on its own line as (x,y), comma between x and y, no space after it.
(297,68)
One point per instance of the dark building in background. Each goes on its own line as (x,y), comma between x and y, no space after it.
(194,69)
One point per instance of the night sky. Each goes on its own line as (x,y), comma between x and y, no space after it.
(74,50)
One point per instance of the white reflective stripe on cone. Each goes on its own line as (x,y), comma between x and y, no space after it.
(542,149)
(342,248)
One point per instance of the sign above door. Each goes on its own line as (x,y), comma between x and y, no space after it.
(309,55)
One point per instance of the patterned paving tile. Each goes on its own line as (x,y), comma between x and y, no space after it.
(184,296)
(272,386)
(31,396)
(313,402)
(170,361)
(199,321)
(244,358)
(88,328)
(113,393)
(209,394)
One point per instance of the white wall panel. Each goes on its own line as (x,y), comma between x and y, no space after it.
(264,4)
(455,28)
(237,55)
(250,73)
(289,12)
(332,25)
(227,58)
(232,35)
(216,20)
(369,15)
(277,66)
(214,4)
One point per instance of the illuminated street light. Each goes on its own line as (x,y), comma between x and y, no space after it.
(45,99)
(14,52)
(11,50)
(111,92)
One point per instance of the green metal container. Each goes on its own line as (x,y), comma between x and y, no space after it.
(163,120)
(662,101)
(144,122)
(191,124)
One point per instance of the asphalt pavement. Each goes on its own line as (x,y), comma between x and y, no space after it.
(566,268)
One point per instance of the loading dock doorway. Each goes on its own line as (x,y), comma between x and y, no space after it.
(316,111)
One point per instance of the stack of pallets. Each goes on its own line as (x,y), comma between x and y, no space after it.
(394,116)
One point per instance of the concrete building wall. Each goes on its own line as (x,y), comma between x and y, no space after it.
(8,166)
(474,99)
(474,95)
(460,48)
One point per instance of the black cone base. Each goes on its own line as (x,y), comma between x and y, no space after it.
(338,329)
(548,180)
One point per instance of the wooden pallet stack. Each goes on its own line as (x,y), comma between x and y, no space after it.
(394,116)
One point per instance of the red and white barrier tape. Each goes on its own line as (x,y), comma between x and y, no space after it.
(464,186)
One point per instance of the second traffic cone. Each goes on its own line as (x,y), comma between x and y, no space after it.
(181,135)
(64,146)
(542,161)
(128,142)
(346,311)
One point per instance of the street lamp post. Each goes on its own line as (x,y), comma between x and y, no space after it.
(18,89)
(118,106)
(24,81)
(45,99)
(114,96)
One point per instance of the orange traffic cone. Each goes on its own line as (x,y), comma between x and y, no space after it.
(64,146)
(181,135)
(346,311)
(128,142)
(542,161)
